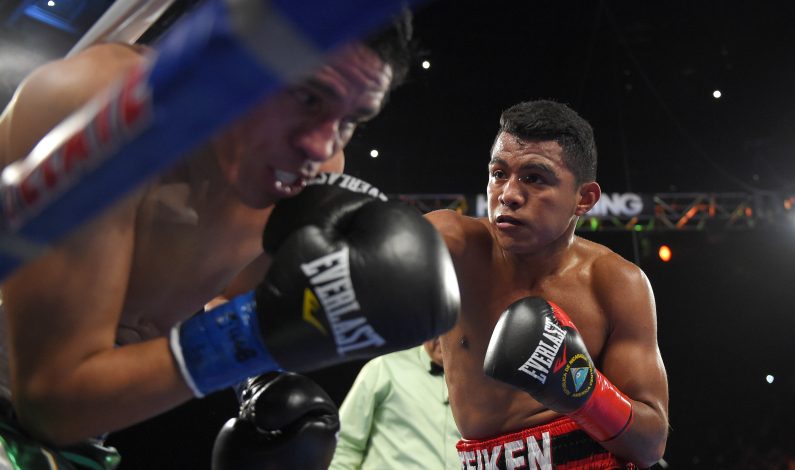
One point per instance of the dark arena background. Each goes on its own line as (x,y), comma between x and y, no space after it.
(693,105)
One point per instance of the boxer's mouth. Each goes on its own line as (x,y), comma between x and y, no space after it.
(289,182)
(507,219)
(285,177)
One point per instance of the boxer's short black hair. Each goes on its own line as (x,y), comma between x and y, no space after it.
(550,120)
(394,44)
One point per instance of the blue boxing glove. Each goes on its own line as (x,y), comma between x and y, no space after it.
(353,276)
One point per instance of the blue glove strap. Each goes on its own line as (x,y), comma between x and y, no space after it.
(222,347)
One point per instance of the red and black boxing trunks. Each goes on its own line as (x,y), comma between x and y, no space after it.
(559,445)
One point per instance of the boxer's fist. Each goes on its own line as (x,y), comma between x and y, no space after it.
(322,202)
(352,277)
(355,276)
(286,421)
(536,347)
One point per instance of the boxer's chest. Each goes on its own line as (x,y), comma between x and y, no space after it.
(487,293)
(182,259)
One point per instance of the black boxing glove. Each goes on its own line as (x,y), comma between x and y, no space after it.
(355,277)
(326,198)
(352,276)
(536,347)
(285,421)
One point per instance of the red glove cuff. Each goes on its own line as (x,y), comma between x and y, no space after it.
(607,413)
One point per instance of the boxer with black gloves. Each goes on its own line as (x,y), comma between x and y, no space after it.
(353,276)
(541,179)
(87,322)
(285,421)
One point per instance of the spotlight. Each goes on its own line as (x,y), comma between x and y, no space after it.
(717,94)
(374,153)
(426,65)
(665,253)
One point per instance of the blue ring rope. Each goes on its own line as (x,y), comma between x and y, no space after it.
(205,74)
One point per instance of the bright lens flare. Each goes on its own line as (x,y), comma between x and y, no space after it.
(665,253)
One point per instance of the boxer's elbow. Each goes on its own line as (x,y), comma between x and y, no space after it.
(650,456)
(649,452)
(645,439)
(643,442)
(47,413)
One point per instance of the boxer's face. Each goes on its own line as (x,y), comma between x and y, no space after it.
(533,196)
(272,151)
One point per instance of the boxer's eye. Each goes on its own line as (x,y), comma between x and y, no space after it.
(533,179)
(497,174)
(305,97)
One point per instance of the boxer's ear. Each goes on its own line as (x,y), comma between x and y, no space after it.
(589,194)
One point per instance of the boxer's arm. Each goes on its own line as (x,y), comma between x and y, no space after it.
(69,382)
(356,418)
(631,358)
(450,224)
(248,278)
(453,228)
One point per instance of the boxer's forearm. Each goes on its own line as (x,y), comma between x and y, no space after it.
(105,392)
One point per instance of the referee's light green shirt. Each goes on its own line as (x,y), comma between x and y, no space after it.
(397,416)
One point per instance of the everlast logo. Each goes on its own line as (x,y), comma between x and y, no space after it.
(539,363)
(519,454)
(110,124)
(350,183)
(330,277)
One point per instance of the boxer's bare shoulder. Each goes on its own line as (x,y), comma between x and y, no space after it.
(610,269)
(464,235)
(55,90)
(620,288)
